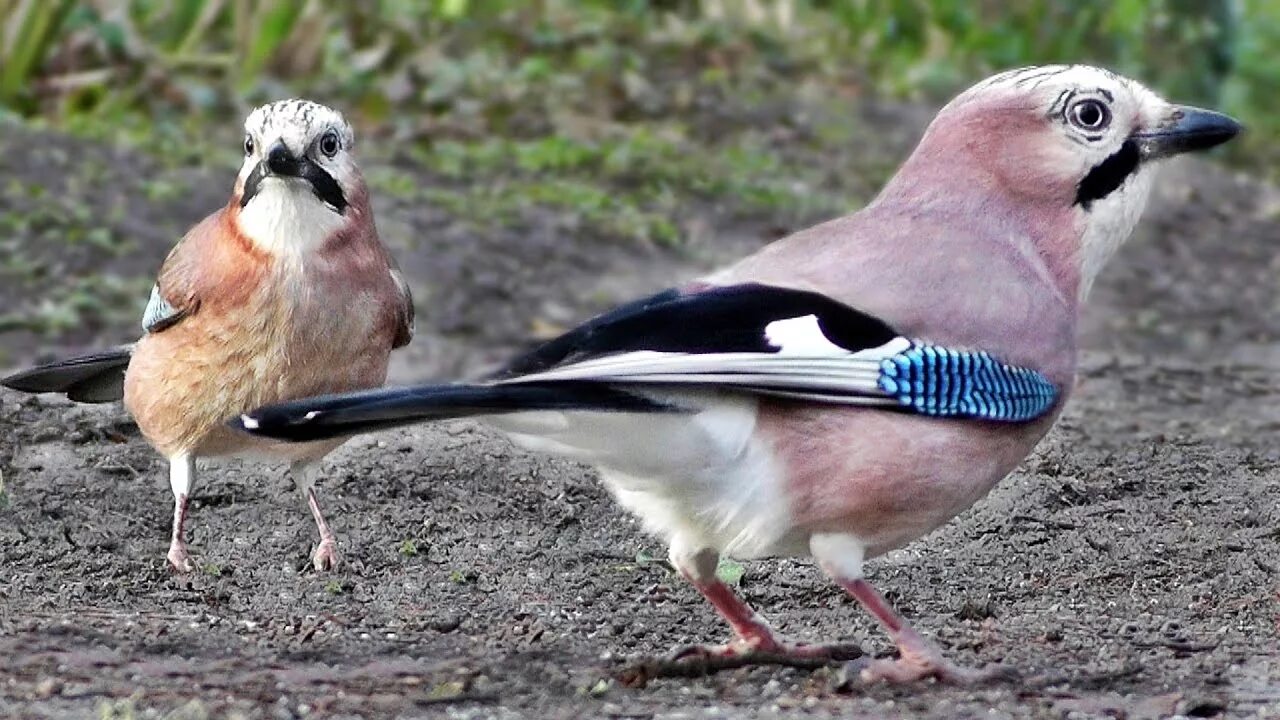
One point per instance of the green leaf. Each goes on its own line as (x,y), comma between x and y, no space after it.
(31,30)
(730,572)
(263,32)
(453,9)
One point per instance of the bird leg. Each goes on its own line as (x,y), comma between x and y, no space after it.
(326,555)
(754,638)
(917,659)
(182,473)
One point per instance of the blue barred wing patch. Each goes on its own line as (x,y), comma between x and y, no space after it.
(936,381)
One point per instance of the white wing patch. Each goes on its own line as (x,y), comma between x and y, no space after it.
(807,365)
(801,336)
(158,311)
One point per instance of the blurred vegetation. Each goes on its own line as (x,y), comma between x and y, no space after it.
(611,107)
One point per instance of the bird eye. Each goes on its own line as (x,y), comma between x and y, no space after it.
(1089,115)
(248,145)
(329,143)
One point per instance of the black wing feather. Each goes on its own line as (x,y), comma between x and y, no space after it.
(720,320)
(338,415)
(97,377)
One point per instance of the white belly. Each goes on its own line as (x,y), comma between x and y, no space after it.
(698,476)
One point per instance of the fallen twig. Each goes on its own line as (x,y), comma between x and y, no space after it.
(637,675)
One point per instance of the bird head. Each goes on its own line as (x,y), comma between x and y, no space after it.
(299,182)
(1067,145)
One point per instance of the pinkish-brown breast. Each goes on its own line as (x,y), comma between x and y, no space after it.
(885,477)
(265,330)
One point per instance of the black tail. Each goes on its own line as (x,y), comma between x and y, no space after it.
(340,415)
(94,378)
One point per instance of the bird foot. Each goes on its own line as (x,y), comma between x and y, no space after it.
(179,558)
(326,556)
(913,667)
(917,658)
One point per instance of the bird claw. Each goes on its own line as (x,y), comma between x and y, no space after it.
(737,648)
(764,651)
(698,653)
(912,668)
(326,556)
(179,559)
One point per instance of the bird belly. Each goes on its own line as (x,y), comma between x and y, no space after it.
(887,478)
(701,475)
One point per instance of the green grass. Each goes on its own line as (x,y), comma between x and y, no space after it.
(46,218)
(628,120)
(730,572)
(618,110)
(87,301)
(632,185)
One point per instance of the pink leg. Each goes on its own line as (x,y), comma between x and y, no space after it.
(917,658)
(753,634)
(751,631)
(326,555)
(179,559)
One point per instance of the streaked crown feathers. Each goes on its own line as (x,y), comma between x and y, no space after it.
(297,122)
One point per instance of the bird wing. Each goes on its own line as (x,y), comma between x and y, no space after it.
(406,319)
(93,378)
(99,376)
(749,339)
(769,340)
(732,318)
(160,314)
(173,297)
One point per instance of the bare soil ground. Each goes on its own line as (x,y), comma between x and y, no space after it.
(1129,569)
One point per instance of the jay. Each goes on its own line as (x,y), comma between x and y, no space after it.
(855,385)
(284,293)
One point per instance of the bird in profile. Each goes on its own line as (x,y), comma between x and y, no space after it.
(283,293)
(849,388)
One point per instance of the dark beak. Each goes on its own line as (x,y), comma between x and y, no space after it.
(1188,129)
(279,162)
(282,162)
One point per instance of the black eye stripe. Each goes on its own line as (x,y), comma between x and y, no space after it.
(1107,176)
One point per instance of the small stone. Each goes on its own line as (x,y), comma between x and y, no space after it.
(47,688)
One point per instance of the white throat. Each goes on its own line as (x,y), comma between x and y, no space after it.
(1109,222)
(285,218)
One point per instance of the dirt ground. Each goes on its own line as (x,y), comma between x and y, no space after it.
(1129,569)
